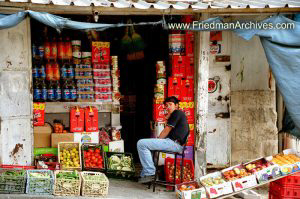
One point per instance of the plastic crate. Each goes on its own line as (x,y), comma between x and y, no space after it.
(293,180)
(11,183)
(94,188)
(119,173)
(66,187)
(186,163)
(87,146)
(68,146)
(38,185)
(284,191)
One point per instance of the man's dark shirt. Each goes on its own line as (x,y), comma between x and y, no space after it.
(180,127)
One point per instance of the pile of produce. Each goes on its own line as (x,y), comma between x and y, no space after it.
(39,175)
(70,158)
(14,173)
(257,166)
(117,163)
(187,172)
(235,174)
(93,159)
(212,181)
(73,175)
(187,187)
(285,159)
(94,177)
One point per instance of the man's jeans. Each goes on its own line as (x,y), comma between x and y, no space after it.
(145,146)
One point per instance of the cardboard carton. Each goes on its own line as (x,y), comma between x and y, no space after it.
(76,119)
(61,137)
(198,193)
(116,146)
(38,114)
(174,87)
(100,52)
(87,137)
(91,119)
(159,112)
(42,136)
(187,90)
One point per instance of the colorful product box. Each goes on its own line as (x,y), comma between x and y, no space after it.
(189,43)
(189,69)
(178,66)
(198,192)
(176,44)
(174,87)
(91,119)
(39,114)
(100,52)
(215,191)
(191,138)
(159,112)
(76,119)
(187,90)
(189,110)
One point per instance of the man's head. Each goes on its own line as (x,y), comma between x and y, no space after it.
(171,103)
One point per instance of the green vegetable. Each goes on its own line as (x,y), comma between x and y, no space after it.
(94,177)
(39,175)
(123,163)
(68,175)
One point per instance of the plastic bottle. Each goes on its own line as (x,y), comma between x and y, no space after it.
(57,91)
(68,49)
(66,92)
(47,49)
(63,73)
(34,50)
(41,71)
(49,72)
(36,91)
(73,92)
(44,91)
(35,71)
(56,73)
(50,94)
(71,72)
(54,49)
(61,49)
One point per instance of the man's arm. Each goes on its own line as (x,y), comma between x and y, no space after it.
(165,132)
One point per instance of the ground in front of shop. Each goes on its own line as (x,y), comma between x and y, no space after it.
(126,190)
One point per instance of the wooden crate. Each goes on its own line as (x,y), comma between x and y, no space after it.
(94,188)
(66,187)
(69,145)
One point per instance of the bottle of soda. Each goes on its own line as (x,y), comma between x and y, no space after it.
(71,72)
(57,91)
(41,71)
(47,48)
(54,49)
(50,93)
(68,49)
(63,73)
(56,73)
(66,92)
(36,91)
(60,49)
(73,91)
(35,71)
(44,90)
(34,50)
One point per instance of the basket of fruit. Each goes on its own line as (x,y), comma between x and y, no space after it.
(120,164)
(67,183)
(39,182)
(94,184)
(239,177)
(216,184)
(69,155)
(93,157)
(263,169)
(12,181)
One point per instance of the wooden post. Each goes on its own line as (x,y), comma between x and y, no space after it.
(202,73)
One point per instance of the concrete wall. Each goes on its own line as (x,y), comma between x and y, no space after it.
(253,105)
(15,95)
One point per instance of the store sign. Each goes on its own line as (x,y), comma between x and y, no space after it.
(212,86)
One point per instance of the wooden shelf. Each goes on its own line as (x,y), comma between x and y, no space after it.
(64,107)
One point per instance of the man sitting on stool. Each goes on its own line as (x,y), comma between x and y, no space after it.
(170,139)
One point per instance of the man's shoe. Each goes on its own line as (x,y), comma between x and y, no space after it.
(146,179)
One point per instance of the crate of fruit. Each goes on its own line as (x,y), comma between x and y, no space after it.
(239,177)
(188,170)
(12,181)
(93,157)
(263,169)
(39,182)
(94,184)
(69,156)
(120,164)
(67,183)
(216,185)
(190,190)
(289,161)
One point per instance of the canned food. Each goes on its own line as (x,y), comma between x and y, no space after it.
(86,57)
(76,45)
(77,57)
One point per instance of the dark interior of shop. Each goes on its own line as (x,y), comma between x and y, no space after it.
(137,76)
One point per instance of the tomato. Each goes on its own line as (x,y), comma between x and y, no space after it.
(91,150)
(93,157)
(87,160)
(97,151)
(97,155)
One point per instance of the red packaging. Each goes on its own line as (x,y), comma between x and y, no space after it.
(159,112)
(189,110)
(55,71)
(189,43)
(174,87)
(53,53)
(189,69)
(187,90)
(47,51)
(39,114)
(178,66)
(76,119)
(191,138)
(49,72)
(100,52)
(91,119)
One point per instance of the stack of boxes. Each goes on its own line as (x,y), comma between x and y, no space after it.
(181,81)
(115,74)
(101,71)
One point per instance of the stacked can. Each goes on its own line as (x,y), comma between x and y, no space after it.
(161,81)
(85,83)
(115,74)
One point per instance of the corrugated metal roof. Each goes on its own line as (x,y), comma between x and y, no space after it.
(180,5)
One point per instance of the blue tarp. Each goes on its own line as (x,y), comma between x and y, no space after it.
(59,23)
(282,48)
